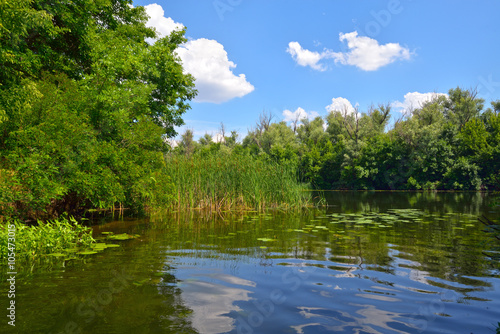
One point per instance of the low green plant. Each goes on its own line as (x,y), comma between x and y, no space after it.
(45,242)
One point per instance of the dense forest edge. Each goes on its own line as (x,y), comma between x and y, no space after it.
(89,107)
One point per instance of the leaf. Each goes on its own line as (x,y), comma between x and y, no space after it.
(57,254)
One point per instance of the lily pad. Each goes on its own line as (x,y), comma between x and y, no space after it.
(266,239)
(123,236)
(87,252)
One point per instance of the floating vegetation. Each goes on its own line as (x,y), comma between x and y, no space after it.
(376,219)
(92,248)
(88,252)
(266,239)
(123,236)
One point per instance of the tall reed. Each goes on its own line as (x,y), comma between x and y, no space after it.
(223,181)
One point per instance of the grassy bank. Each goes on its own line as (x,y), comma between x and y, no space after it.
(233,181)
(42,245)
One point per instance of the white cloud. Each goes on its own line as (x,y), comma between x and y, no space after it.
(340,104)
(415,100)
(164,25)
(300,114)
(208,62)
(217,138)
(363,52)
(367,54)
(304,57)
(172,142)
(205,59)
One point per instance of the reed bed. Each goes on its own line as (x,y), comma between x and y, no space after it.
(234,181)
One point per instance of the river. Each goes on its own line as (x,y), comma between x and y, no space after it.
(369,262)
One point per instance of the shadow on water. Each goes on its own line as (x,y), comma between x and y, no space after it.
(364,201)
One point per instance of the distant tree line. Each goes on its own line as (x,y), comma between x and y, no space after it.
(449,143)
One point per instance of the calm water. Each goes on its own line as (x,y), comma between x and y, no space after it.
(369,263)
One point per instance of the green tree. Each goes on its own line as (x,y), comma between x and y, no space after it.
(187,145)
(473,138)
(374,123)
(87,106)
(462,106)
(431,112)
(335,126)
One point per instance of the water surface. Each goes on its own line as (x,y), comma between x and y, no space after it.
(374,262)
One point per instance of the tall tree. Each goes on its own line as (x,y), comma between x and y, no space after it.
(462,106)
(83,71)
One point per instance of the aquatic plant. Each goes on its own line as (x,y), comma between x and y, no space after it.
(43,243)
(233,181)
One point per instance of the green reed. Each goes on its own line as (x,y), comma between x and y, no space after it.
(233,181)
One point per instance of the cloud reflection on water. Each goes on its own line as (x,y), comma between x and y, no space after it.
(211,297)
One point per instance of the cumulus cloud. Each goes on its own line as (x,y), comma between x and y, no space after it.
(208,62)
(340,104)
(172,142)
(218,138)
(163,25)
(299,114)
(304,57)
(415,100)
(363,52)
(205,59)
(367,54)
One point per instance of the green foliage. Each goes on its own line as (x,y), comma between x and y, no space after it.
(463,175)
(37,246)
(85,107)
(56,36)
(473,138)
(432,112)
(448,143)
(462,106)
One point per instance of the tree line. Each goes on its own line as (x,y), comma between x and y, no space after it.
(449,143)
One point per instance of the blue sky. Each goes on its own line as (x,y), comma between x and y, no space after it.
(297,57)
